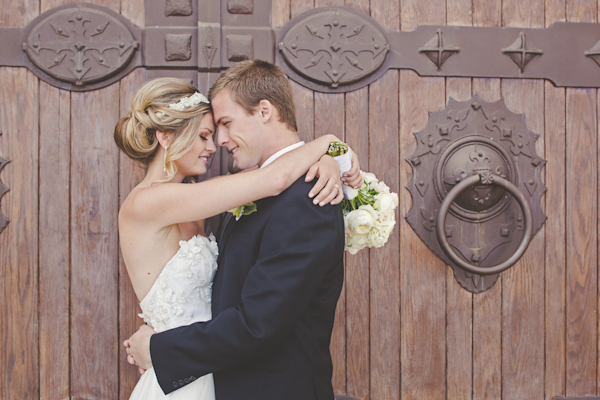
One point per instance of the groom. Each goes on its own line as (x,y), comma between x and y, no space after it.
(280,268)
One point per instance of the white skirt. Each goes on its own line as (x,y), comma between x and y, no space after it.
(148,388)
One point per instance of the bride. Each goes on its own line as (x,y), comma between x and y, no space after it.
(169,257)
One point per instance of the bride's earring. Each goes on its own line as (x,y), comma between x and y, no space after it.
(165,162)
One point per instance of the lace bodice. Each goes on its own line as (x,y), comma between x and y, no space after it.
(181,294)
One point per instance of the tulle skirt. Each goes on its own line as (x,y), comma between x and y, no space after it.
(148,388)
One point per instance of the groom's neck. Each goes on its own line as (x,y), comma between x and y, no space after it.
(279,140)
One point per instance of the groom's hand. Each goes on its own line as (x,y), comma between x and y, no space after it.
(138,348)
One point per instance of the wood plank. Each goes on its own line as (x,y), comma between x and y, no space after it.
(422,273)
(94,251)
(384,262)
(17,14)
(487,307)
(523,284)
(582,225)
(134,11)
(487,13)
(54,241)
(19,119)
(555,293)
(459,302)
(384,162)
(357,266)
(280,12)
(130,175)
(299,6)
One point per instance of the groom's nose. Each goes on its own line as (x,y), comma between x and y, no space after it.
(222,137)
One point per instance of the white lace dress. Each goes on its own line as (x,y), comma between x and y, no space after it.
(180,296)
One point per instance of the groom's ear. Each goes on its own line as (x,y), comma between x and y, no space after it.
(265,110)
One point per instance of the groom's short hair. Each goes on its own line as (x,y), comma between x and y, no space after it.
(250,81)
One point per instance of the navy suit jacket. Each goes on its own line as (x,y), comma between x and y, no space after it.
(274,297)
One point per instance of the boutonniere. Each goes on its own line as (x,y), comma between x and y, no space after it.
(246,209)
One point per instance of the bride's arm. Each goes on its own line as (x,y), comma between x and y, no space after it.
(173,203)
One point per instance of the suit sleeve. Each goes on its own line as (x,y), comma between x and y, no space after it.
(300,244)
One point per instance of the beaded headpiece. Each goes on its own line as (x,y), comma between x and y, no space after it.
(190,101)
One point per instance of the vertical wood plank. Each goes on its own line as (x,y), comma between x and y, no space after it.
(459,302)
(487,306)
(582,226)
(385,262)
(487,13)
(94,252)
(134,11)
(17,14)
(555,294)
(19,358)
(422,273)
(54,241)
(523,284)
(357,266)
(280,12)
(130,175)
(581,241)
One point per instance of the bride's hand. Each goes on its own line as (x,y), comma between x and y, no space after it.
(353,178)
(138,348)
(328,189)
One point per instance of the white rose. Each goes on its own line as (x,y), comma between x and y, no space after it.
(387,217)
(378,236)
(361,221)
(369,177)
(386,201)
(355,242)
(380,187)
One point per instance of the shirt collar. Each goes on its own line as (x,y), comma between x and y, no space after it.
(280,153)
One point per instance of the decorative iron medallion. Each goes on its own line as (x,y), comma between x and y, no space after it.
(485,225)
(80,44)
(334,46)
(3,189)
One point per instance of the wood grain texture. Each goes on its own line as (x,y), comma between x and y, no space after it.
(134,11)
(582,246)
(305,111)
(19,120)
(487,307)
(555,240)
(94,249)
(582,231)
(459,302)
(17,14)
(357,266)
(299,6)
(487,12)
(422,273)
(130,175)
(523,284)
(555,229)
(384,262)
(280,12)
(54,241)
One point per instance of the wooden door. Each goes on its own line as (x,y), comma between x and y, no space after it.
(404,327)
(66,302)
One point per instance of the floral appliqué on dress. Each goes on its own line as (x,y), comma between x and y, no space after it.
(182,292)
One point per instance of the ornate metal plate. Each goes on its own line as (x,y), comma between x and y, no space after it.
(334,47)
(485,224)
(81,47)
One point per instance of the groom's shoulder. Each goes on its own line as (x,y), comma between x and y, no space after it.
(297,196)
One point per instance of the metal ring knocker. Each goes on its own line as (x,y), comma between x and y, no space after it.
(445,207)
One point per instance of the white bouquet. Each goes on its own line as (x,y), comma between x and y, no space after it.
(369,218)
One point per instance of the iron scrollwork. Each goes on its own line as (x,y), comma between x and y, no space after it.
(485,222)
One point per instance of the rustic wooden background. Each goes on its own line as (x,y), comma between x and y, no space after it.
(404,328)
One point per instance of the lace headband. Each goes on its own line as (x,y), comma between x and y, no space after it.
(190,101)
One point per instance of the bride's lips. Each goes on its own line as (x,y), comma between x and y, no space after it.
(204,159)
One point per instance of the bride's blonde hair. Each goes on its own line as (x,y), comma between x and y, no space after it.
(135,134)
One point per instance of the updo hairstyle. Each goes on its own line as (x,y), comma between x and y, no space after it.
(135,134)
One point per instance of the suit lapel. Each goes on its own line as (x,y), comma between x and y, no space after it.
(225,232)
